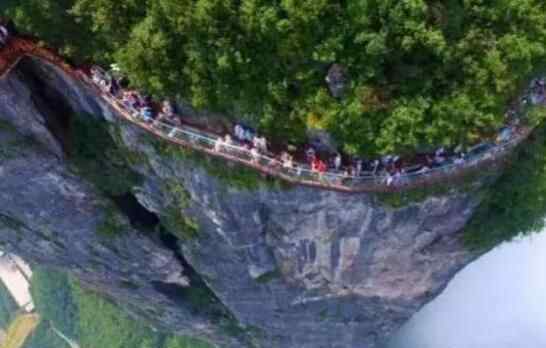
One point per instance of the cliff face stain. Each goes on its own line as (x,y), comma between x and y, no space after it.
(139,217)
(51,102)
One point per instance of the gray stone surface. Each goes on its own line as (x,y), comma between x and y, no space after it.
(298,267)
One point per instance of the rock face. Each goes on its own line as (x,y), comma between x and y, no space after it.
(297,267)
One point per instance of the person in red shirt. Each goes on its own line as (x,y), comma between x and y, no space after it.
(322,167)
(315,163)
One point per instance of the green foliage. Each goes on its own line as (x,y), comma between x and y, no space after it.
(103,325)
(466,183)
(14,148)
(240,177)
(516,204)
(112,224)
(8,307)
(175,219)
(95,155)
(184,342)
(53,299)
(182,226)
(44,337)
(98,322)
(421,73)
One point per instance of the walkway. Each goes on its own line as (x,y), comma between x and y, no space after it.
(486,156)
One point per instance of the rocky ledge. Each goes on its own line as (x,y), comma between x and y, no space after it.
(243,261)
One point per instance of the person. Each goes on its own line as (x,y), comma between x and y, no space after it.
(321,168)
(96,76)
(256,142)
(262,144)
(172,132)
(228,141)
(218,145)
(375,165)
(167,108)
(147,113)
(114,87)
(104,85)
(315,164)
(459,160)
(289,163)
(239,132)
(129,100)
(504,135)
(287,160)
(392,179)
(337,162)
(396,178)
(358,167)
(346,174)
(310,154)
(389,179)
(386,160)
(440,156)
(255,155)
(248,135)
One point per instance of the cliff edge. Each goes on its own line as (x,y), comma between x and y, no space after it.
(235,258)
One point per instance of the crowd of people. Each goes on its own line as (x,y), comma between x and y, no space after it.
(133,100)
(390,169)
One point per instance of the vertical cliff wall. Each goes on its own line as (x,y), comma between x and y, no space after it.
(295,267)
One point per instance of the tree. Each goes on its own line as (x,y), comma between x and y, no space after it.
(426,72)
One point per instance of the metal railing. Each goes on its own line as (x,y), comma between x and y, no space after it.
(299,173)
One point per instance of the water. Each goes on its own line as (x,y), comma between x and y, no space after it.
(499,301)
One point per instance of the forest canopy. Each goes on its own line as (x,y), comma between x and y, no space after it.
(418,73)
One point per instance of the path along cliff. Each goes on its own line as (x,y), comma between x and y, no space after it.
(244,265)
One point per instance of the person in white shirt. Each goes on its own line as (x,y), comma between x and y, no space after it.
(337,161)
(218,145)
(255,155)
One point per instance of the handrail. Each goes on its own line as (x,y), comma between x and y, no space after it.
(298,174)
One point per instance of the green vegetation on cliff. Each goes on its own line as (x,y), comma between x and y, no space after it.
(54,301)
(97,157)
(44,337)
(418,72)
(175,219)
(237,176)
(516,203)
(90,319)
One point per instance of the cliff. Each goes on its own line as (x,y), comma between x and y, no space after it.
(268,265)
